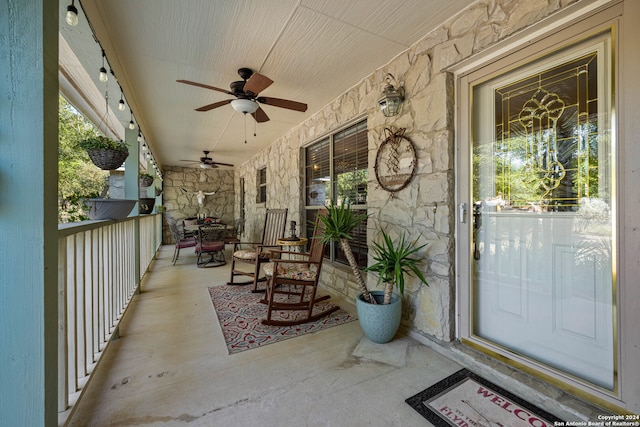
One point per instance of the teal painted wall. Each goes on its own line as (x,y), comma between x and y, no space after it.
(28,220)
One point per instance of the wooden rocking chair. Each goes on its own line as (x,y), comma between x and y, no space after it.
(260,252)
(300,274)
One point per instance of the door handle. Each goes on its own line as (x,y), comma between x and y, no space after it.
(477,223)
(477,215)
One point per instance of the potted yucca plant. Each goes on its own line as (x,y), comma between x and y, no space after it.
(379,312)
(338,224)
(381,321)
(392,262)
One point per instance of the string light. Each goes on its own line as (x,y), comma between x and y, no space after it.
(103,71)
(121,106)
(71,17)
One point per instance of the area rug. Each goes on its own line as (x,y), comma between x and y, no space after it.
(240,314)
(465,399)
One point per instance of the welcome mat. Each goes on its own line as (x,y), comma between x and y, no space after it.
(467,400)
(240,314)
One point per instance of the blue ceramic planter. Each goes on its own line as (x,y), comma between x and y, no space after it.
(379,322)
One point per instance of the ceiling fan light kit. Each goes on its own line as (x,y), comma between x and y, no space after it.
(245,105)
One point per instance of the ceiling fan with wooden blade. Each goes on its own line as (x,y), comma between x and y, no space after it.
(207,162)
(246,92)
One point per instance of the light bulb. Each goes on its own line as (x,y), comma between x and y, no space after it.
(121,106)
(144,147)
(103,74)
(72,15)
(132,125)
(139,137)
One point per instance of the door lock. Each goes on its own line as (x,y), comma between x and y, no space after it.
(462,212)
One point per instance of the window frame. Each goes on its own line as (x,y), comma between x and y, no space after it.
(360,247)
(261,185)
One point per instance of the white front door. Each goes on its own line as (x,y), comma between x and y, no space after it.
(540,213)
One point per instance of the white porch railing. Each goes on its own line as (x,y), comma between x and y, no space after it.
(100,265)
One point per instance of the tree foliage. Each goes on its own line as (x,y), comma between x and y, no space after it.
(78,178)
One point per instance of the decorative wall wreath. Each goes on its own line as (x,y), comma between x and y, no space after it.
(396,161)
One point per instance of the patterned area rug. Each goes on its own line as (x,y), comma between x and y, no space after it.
(240,315)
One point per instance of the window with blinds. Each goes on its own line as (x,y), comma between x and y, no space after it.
(262,185)
(336,169)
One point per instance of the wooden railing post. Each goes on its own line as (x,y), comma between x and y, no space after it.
(100,267)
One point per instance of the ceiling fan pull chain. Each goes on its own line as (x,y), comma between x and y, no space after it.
(245,128)
(254,128)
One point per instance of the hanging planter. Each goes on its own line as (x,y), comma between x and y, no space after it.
(105,153)
(146,180)
(146,205)
(109,208)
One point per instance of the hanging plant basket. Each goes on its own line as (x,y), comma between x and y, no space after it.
(105,153)
(146,180)
(107,159)
(146,205)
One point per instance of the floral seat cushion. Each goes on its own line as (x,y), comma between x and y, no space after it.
(245,254)
(295,271)
(250,254)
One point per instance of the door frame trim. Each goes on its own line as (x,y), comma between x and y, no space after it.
(575,23)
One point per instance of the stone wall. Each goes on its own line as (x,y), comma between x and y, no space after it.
(425,207)
(180,190)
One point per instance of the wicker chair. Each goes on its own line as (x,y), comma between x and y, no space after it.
(257,253)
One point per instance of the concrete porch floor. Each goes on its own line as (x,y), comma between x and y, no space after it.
(170,367)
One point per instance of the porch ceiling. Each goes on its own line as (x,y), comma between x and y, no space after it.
(313,50)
